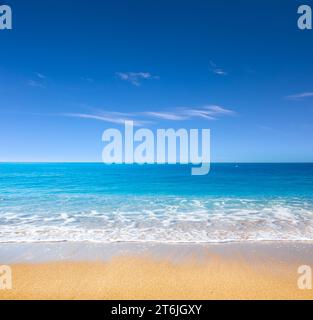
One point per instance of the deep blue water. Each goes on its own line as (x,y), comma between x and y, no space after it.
(98,202)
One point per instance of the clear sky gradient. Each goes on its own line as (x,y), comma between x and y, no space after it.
(71,69)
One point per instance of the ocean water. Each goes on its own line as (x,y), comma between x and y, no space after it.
(162,203)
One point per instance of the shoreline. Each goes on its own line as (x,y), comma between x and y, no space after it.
(41,252)
(156,271)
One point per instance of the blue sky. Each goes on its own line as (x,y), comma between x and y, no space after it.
(241,68)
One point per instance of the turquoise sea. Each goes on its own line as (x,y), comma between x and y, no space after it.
(162,203)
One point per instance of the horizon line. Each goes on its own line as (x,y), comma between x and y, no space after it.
(144,163)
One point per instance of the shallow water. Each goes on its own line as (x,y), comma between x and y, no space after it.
(162,203)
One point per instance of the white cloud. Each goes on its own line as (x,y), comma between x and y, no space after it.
(34,83)
(214,109)
(220,72)
(40,75)
(198,113)
(165,115)
(87,79)
(210,112)
(217,70)
(39,82)
(135,78)
(111,117)
(300,96)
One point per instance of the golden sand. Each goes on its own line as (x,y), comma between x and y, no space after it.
(148,278)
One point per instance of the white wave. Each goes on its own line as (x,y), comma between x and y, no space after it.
(166,219)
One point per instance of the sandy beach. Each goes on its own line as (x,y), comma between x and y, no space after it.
(156,271)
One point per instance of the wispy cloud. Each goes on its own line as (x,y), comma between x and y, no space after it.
(209,112)
(106,116)
(298,96)
(214,109)
(165,115)
(34,83)
(40,75)
(217,70)
(87,79)
(38,81)
(136,78)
